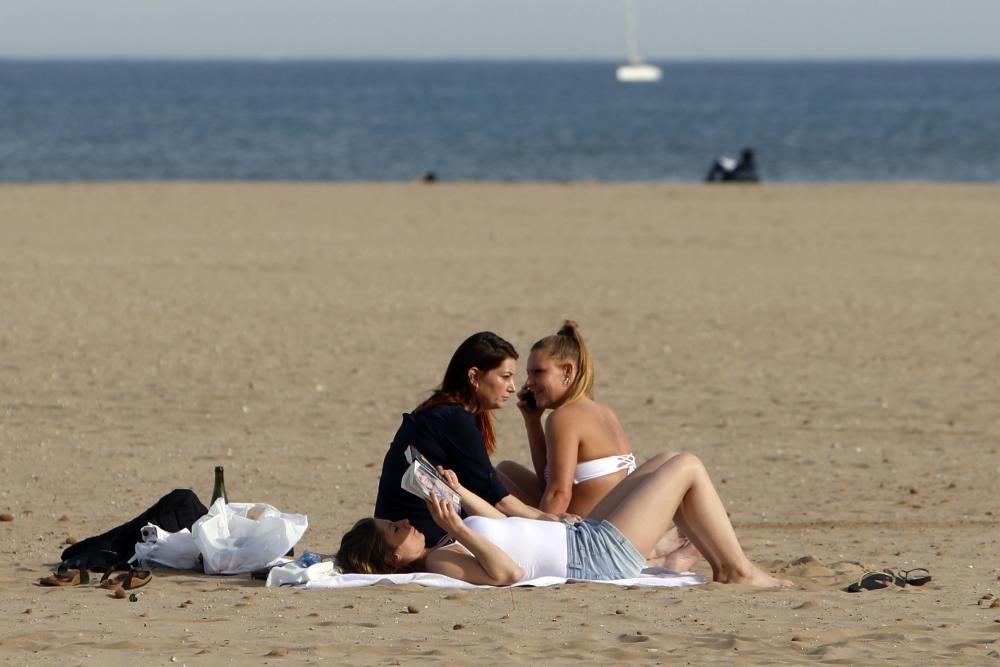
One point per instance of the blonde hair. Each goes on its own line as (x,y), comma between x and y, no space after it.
(567,345)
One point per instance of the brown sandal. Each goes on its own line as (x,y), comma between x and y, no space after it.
(126,577)
(67,578)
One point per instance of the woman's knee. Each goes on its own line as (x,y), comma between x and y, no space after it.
(659,460)
(688,462)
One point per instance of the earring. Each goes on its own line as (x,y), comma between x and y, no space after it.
(566,380)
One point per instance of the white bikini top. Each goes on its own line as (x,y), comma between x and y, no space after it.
(595,468)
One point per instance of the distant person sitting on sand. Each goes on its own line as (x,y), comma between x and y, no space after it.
(726,169)
(498,550)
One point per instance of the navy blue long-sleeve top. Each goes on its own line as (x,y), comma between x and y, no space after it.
(447,436)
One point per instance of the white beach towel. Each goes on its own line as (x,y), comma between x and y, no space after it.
(325,575)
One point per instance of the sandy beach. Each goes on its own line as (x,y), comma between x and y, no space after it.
(831,353)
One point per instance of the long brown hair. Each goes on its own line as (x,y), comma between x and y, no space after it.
(567,345)
(362,550)
(484,350)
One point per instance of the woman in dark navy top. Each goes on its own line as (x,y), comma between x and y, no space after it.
(454,429)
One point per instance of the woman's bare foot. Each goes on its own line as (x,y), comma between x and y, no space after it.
(671,541)
(750,575)
(683,559)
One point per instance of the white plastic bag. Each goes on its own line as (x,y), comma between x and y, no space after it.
(245,537)
(161,548)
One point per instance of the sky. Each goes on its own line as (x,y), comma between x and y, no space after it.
(499,29)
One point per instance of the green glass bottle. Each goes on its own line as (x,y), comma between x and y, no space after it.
(220,487)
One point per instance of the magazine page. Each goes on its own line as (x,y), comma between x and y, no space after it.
(422,479)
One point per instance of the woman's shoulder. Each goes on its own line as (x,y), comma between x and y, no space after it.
(445,412)
(445,420)
(582,408)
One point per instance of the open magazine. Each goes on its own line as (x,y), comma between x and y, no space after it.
(422,479)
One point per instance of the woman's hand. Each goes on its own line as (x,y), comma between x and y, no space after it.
(526,404)
(451,478)
(444,515)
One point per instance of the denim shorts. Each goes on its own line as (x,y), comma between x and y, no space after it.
(598,550)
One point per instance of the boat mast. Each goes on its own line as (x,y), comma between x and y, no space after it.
(631,37)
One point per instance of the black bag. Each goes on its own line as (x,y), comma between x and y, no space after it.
(175,511)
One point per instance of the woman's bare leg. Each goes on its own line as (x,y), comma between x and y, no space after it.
(522,483)
(673,550)
(627,485)
(681,488)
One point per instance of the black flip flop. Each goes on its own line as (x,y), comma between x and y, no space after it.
(871,581)
(916,577)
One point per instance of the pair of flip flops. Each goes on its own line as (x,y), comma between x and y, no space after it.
(871,581)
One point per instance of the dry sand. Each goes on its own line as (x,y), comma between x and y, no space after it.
(831,352)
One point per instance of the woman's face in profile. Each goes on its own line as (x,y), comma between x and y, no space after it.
(496,386)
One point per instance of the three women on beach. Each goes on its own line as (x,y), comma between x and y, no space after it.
(521,523)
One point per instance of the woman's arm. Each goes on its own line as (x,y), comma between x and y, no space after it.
(563,445)
(536,440)
(508,506)
(471,503)
(487,564)
(512,506)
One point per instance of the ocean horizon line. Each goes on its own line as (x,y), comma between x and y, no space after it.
(439,181)
(526,60)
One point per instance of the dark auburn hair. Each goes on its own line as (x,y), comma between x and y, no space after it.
(484,350)
(567,344)
(362,550)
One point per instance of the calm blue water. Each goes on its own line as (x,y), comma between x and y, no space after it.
(498,121)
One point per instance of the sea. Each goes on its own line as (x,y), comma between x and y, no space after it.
(813,121)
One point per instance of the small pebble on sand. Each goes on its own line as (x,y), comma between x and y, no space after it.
(410,609)
(457,626)
(6,516)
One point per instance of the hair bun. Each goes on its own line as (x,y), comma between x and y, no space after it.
(568,328)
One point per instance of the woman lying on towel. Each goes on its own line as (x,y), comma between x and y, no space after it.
(493,549)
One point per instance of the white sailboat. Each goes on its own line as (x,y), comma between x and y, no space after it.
(636,71)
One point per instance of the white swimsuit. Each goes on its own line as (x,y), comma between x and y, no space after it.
(607,465)
(539,547)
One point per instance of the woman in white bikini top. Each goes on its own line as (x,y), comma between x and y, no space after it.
(588,470)
(581,453)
